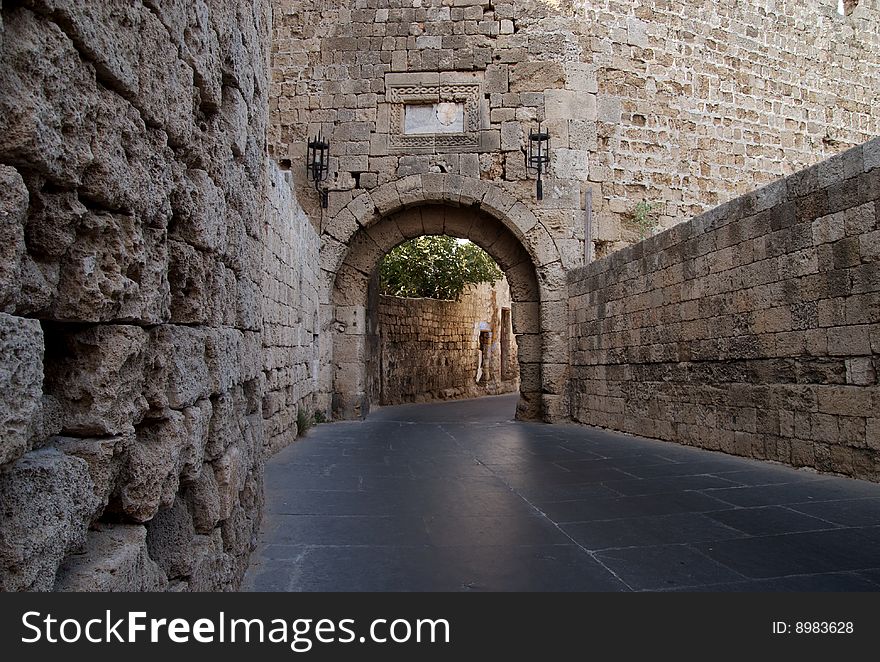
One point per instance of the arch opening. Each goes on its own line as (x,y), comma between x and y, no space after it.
(442,329)
(356,364)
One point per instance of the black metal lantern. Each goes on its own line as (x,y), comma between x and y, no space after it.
(318,164)
(538,156)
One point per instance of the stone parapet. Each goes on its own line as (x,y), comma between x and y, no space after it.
(752,329)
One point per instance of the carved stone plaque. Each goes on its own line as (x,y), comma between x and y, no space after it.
(443,117)
(434,112)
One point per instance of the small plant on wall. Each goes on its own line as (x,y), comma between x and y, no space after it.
(306,420)
(644,218)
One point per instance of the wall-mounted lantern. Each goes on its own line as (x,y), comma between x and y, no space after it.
(318,164)
(538,156)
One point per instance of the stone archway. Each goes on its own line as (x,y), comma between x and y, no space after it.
(356,238)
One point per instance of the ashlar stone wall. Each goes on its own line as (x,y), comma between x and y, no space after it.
(701,102)
(430,349)
(132,188)
(680,104)
(291,328)
(753,329)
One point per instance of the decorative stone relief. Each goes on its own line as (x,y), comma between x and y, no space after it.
(434,112)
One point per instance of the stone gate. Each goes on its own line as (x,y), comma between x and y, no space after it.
(362,232)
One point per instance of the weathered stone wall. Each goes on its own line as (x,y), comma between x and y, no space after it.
(682,104)
(132,158)
(700,102)
(430,349)
(290,314)
(752,329)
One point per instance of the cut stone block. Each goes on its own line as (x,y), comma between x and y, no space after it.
(21,384)
(14,199)
(170,540)
(152,476)
(48,502)
(115,559)
(98,379)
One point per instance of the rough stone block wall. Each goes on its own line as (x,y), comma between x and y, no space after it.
(700,102)
(753,329)
(430,349)
(290,313)
(132,185)
(681,104)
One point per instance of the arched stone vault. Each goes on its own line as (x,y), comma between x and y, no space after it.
(356,238)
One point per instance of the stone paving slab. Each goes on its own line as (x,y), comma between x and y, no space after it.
(457,496)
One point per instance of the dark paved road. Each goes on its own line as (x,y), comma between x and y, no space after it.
(458,497)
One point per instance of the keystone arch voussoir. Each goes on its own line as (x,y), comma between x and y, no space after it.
(441,189)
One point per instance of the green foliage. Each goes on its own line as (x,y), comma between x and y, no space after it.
(303,421)
(644,218)
(435,267)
